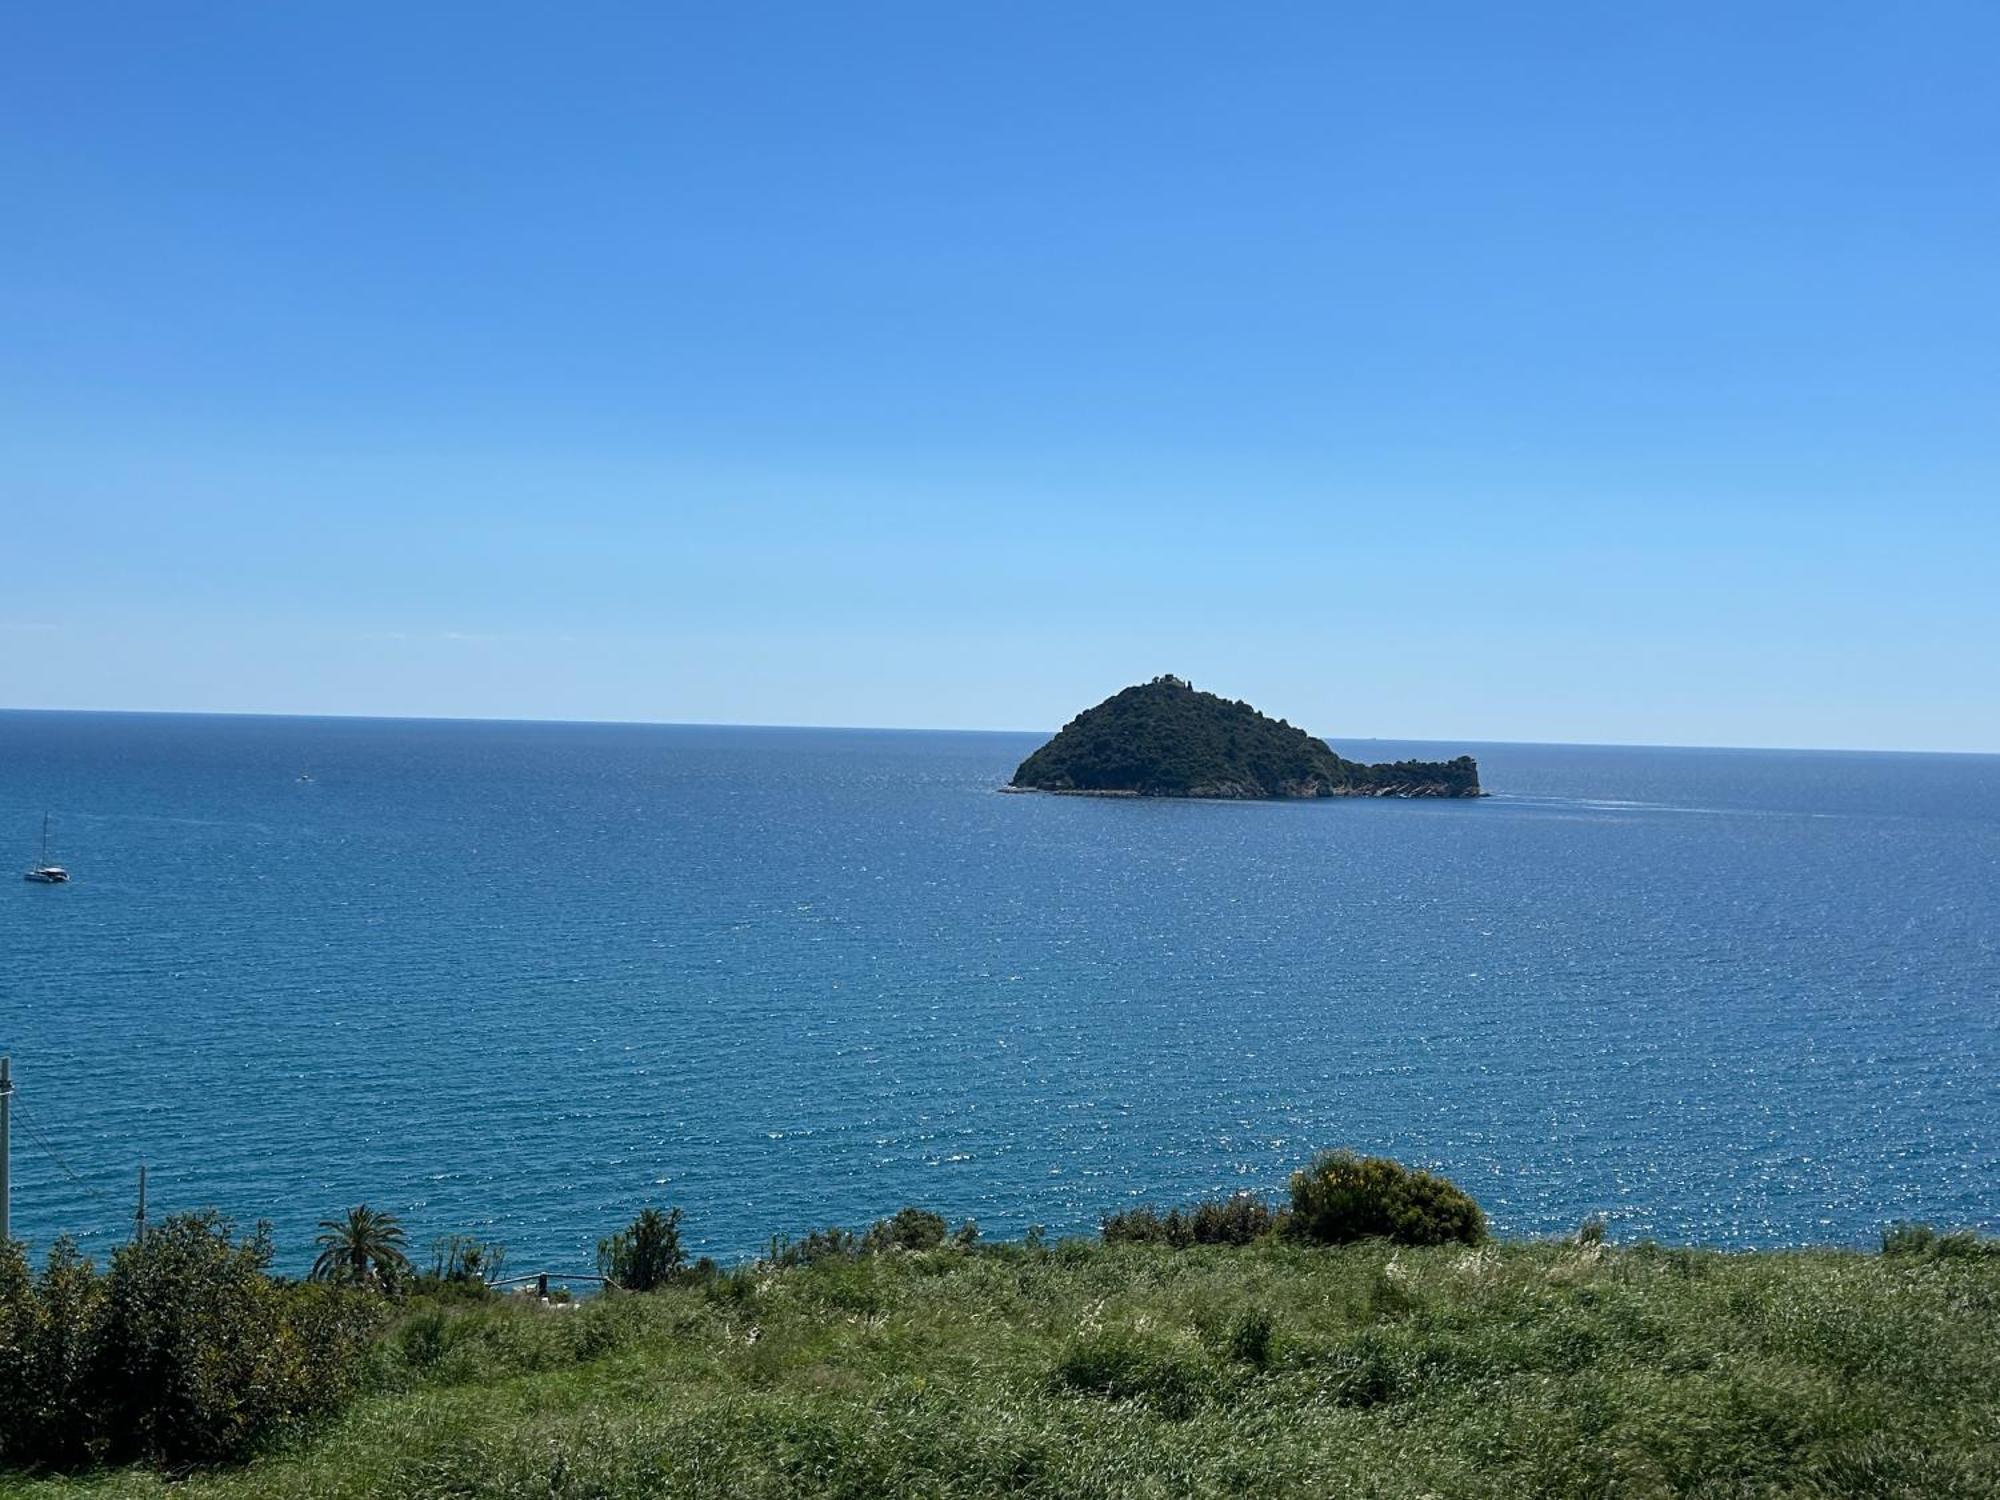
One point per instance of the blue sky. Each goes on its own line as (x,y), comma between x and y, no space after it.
(1607,373)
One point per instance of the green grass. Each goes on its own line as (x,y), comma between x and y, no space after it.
(1135,1370)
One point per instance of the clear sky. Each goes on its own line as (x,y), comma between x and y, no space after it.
(1563,372)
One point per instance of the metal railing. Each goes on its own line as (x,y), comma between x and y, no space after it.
(543,1278)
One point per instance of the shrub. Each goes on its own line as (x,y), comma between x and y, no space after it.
(17,1322)
(910,1229)
(1227,1221)
(1145,1225)
(1921,1239)
(1342,1197)
(819,1245)
(202,1354)
(1235,1220)
(646,1254)
(1963,1244)
(1908,1239)
(50,1331)
(183,1351)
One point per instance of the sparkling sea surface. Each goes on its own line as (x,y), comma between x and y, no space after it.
(520,979)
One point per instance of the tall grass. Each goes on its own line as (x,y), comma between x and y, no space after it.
(1273,1369)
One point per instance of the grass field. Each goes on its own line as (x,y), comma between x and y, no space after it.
(1136,1370)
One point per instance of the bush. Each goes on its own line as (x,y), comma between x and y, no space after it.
(50,1331)
(1231,1221)
(1921,1239)
(910,1229)
(1908,1239)
(184,1351)
(646,1254)
(1965,1244)
(1146,1225)
(819,1245)
(1225,1221)
(1342,1197)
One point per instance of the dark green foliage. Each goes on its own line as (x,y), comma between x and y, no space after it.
(17,1337)
(1164,739)
(184,1351)
(1250,1338)
(909,1229)
(1921,1239)
(646,1254)
(1369,1370)
(50,1349)
(365,1248)
(1146,1225)
(1235,1220)
(732,1287)
(818,1246)
(1965,1244)
(1133,1365)
(464,1259)
(1342,1197)
(1908,1239)
(424,1337)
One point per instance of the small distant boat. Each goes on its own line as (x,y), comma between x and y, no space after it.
(305,776)
(46,873)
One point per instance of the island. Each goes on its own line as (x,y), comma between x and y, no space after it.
(1166,739)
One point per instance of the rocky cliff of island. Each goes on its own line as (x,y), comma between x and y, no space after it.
(1166,739)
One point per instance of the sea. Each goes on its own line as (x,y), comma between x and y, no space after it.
(518,980)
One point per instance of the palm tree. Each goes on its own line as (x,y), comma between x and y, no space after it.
(363,1248)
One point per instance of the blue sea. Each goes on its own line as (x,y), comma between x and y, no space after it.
(520,979)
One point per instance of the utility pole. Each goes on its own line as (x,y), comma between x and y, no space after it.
(6,1143)
(139,1218)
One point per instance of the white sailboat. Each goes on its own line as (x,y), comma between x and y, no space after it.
(46,873)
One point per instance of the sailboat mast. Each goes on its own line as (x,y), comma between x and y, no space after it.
(45,839)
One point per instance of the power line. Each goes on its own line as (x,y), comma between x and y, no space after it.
(49,1150)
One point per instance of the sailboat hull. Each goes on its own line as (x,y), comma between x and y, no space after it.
(47,872)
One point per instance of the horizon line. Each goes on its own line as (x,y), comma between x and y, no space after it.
(258,713)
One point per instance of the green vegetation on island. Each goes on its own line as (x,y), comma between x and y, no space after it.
(1363,1337)
(1166,739)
